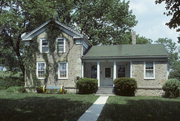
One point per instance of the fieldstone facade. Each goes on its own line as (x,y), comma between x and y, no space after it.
(119,63)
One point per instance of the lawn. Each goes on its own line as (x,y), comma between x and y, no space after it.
(141,109)
(43,107)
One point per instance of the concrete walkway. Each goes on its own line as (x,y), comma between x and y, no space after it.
(94,111)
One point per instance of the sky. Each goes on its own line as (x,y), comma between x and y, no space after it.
(151,20)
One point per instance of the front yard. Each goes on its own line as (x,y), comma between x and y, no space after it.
(43,107)
(120,108)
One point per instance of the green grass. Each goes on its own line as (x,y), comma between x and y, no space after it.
(120,108)
(43,107)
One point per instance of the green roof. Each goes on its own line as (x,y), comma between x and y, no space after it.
(127,51)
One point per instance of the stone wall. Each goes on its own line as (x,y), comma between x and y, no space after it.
(72,56)
(160,74)
(150,87)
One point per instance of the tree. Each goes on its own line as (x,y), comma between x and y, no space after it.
(104,21)
(171,48)
(172,7)
(175,73)
(143,40)
(17,17)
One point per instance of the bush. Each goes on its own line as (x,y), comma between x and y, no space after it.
(171,88)
(40,89)
(125,86)
(16,89)
(87,85)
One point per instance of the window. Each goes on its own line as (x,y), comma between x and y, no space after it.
(61,45)
(121,71)
(94,71)
(41,70)
(149,72)
(107,72)
(62,70)
(44,46)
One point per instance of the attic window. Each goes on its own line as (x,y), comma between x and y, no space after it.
(44,48)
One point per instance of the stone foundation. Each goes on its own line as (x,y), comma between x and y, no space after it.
(149,92)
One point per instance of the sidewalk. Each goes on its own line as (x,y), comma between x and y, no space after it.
(94,111)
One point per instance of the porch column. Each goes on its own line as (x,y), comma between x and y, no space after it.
(98,73)
(130,69)
(114,70)
(82,70)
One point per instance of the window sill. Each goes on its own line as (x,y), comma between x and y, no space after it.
(40,78)
(63,78)
(152,78)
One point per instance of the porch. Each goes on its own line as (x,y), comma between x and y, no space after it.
(105,71)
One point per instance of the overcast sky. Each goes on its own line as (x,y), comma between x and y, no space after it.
(151,20)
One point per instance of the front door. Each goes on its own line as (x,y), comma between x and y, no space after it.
(106,76)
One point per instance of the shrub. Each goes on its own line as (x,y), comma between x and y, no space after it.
(40,89)
(87,85)
(125,86)
(16,89)
(171,88)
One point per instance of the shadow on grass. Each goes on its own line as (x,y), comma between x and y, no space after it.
(141,110)
(41,109)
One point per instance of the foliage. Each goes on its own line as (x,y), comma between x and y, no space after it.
(87,85)
(40,89)
(108,25)
(172,88)
(175,73)
(8,79)
(125,86)
(171,48)
(27,15)
(143,40)
(172,7)
(16,89)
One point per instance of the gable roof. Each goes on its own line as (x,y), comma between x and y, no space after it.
(41,28)
(126,51)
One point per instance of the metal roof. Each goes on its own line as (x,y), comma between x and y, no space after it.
(126,51)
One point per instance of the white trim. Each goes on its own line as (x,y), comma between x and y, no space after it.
(64,41)
(37,69)
(130,69)
(40,46)
(98,73)
(66,71)
(114,71)
(82,70)
(145,70)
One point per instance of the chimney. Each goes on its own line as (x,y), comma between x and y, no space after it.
(133,35)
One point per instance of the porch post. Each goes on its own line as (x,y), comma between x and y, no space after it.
(114,70)
(98,73)
(82,70)
(130,69)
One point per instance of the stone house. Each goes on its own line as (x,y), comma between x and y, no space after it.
(76,57)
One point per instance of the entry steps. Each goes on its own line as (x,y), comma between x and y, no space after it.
(105,91)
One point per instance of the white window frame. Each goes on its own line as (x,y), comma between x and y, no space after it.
(41,46)
(37,75)
(66,71)
(64,49)
(145,70)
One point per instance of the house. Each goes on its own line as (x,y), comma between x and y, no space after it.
(74,57)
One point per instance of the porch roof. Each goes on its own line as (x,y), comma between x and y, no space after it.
(127,51)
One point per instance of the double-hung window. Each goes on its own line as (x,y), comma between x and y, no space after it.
(41,70)
(44,46)
(60,45)
(149,70)
(63,70)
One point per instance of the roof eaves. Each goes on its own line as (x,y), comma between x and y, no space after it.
(26,37)
(124,57)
